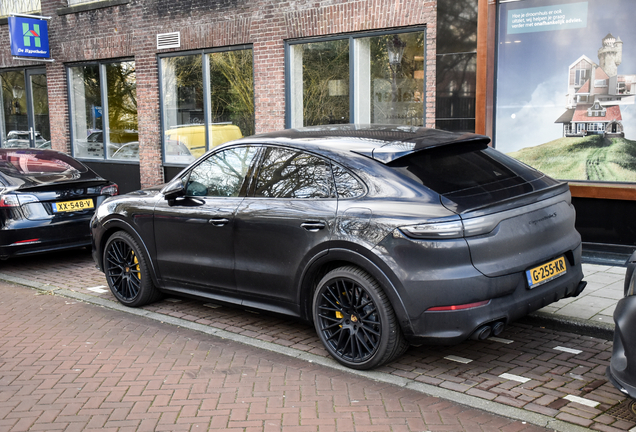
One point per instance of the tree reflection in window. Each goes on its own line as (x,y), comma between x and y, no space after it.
(121,85)
(346,184)
(293,174)
(326,82)
(222,174)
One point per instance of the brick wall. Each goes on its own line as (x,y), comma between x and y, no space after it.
(129,31)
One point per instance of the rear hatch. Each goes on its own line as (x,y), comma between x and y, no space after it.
(514,216)
(63,201)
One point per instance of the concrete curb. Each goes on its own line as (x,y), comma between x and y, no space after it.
(601,330)
(427,389)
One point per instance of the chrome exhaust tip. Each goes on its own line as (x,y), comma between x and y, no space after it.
(482,333)
(498,328)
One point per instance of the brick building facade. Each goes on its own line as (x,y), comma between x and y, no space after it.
(127,29)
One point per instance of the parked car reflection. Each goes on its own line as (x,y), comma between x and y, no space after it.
(193,136)
(93,145)
(22,139)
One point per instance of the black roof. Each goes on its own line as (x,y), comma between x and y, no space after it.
(384,143)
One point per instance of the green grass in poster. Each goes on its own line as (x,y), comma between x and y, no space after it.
(587,158)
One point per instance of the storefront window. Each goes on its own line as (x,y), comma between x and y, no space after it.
(24,111)
(396,64)
(121,86)
(321,82)
(456,91)
(456,65)
(232,91)
(40,105)
(215,88)
(182,93)
(14,110)
(104,128)
(377,79)
(86,116)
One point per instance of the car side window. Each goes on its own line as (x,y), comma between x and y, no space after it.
(346,184)
(287,173)
(222,174)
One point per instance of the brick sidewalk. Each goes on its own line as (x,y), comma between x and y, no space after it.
(555,374)
(71,366)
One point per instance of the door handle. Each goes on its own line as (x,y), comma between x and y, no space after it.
(313,226)
(218,222)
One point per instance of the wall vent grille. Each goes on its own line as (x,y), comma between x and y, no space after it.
(169,40)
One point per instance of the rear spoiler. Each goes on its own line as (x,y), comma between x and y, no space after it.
(432,138)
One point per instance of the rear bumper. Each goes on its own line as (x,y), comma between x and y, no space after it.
(45,238)
(622,368)
(509,299)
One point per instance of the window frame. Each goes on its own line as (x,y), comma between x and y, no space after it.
(352,69)
(103,91)
(206,91)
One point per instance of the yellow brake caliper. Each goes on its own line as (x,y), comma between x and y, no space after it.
(137,269)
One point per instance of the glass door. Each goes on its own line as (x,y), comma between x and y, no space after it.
(15,124)
(38,109)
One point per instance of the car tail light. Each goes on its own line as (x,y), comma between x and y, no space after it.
(458,307)
(110,190)
(441,229)
(435,230)
(29,241)
(15,200)
(9,200)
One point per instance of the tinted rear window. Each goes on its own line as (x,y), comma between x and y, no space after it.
(39,166)
(452,169)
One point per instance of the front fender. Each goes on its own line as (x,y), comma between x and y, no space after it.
(108,228)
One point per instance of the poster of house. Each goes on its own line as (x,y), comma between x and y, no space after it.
(566,86)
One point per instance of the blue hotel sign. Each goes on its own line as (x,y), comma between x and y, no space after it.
(29,37)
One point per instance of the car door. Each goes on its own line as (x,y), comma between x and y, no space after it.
(194,233)
(288,215)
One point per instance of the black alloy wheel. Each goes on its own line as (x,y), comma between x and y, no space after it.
(355,320)
(126,270)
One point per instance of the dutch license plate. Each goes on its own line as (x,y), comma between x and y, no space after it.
(546,272)
(70,206)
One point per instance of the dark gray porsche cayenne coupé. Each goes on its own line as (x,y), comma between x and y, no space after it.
(380,235)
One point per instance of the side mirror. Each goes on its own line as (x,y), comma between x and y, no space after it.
(173,190)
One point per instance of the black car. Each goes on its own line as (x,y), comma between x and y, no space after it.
(46,201)
(622,368)
(380,235)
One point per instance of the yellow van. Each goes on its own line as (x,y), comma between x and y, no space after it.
(193,136)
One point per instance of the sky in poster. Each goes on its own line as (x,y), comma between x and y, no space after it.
(533,66)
